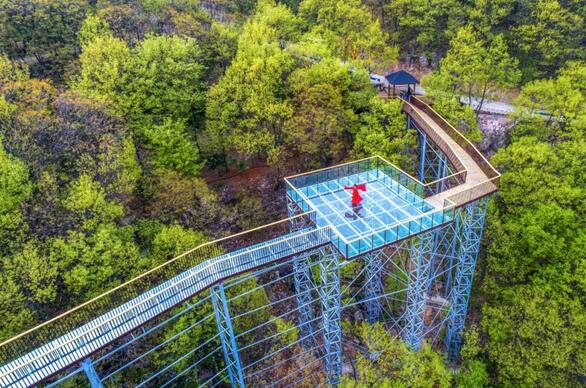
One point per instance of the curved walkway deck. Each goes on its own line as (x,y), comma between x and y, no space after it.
(480,177)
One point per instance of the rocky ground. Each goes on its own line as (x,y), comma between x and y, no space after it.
(495,128)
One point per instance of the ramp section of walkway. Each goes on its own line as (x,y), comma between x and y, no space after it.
(78,344)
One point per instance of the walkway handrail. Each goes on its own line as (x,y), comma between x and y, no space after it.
(475,192)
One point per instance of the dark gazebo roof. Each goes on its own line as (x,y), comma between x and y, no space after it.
(401,77)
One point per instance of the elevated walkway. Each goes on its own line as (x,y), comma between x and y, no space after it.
(79,343)
(398,207)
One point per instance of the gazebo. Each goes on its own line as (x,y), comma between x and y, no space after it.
(400,78)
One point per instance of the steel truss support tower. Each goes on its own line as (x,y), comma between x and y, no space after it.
(420,259)
(373,287)
(329,292)
(303,281)
(303,286)
(471,228)
(227,336)
(451,252)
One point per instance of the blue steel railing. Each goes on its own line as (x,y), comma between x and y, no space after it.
(62,341)
(390,234)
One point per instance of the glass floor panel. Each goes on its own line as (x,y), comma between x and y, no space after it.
(385,215)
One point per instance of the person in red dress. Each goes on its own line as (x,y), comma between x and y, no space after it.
(356,198)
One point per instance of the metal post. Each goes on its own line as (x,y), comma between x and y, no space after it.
(441,172)
(420,257)
(303,281)
(91,374)
(471,229)
(373,288)
(329,293)
(422,152)
(451,253)
(227,337)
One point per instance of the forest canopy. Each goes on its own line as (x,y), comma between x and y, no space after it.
(134,130)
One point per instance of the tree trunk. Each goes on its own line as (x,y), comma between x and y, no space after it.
(484,90)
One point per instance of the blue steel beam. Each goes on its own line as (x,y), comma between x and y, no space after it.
(420,258)
(433,164)
(422,152)
(373,288)
(329,292)
(471,230)
(227,337)
(445,245)
(90,372)
(451,253)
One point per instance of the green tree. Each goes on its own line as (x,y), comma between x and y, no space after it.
(390,363)
(325,95)
(70,136)
(172,196)
(535,317)
(96,253)
(247,108)
(172,241)
(128,20)
(12,71)
(472,372)
(157,86)
(159,79)
(493,17)
(15,189)
(103,61)
(420,27)
(561,100)
(171,148)
(42,32)
(473,68)
(220,48)
(383,132)
(163,80)
(551,36)
(28,288)
(92,27)
(350,30)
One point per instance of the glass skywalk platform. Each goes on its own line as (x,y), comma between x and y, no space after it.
(393,208)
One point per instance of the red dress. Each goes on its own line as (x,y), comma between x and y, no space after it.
(356,198)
